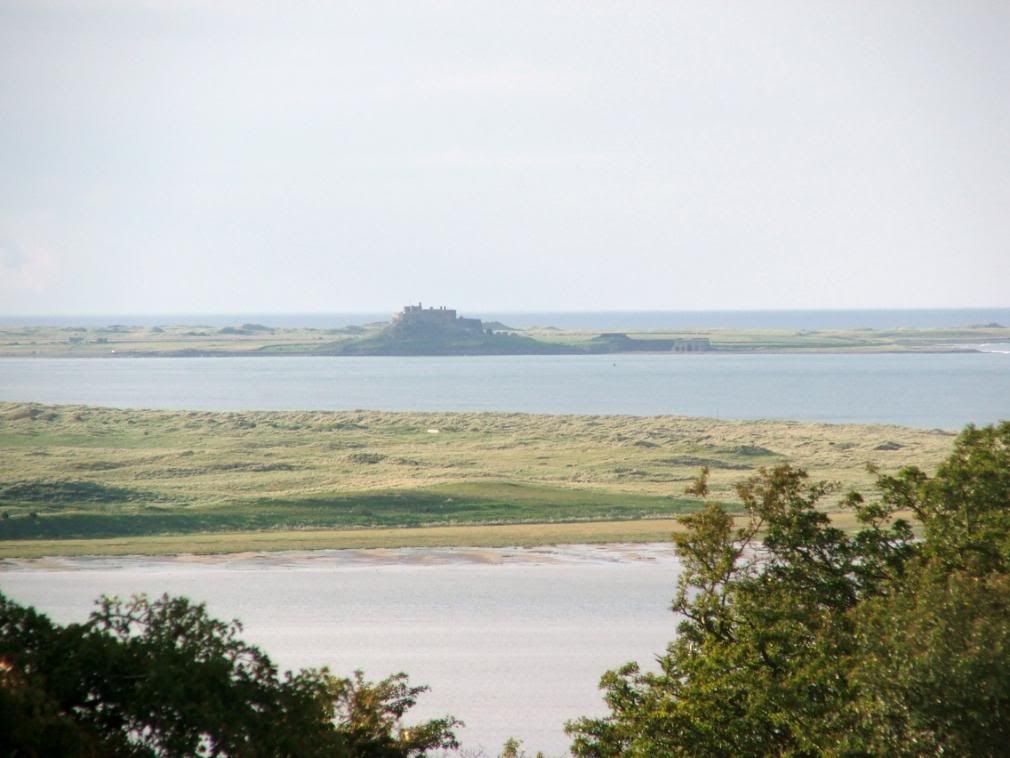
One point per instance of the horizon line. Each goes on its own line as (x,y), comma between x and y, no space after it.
(371,311)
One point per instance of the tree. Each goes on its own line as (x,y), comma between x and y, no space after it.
(163,678)
(513,748)
(933,673)
(798,638)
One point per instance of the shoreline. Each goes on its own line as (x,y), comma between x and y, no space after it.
(215,548)
(559,554)
(257,354)
(757,349)
(498,536)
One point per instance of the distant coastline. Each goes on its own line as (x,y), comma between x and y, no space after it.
(618,320)
(442,331)
(121,342)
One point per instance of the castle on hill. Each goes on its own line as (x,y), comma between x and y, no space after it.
(442,326)
(416,319)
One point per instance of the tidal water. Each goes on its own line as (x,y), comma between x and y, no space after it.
(511,641)
(943,391)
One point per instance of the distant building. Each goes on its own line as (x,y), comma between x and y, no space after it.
(418,319)
(693,345)
(622,343)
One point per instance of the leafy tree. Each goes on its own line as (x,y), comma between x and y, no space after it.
(162,678)
(933,672)
(513,748)
(798,638)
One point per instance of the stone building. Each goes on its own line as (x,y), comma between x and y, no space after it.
(418,319)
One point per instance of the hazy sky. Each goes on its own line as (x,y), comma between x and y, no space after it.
(221,156)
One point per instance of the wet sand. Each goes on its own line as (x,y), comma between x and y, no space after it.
(442,556)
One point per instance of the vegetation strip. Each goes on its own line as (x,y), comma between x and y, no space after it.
(81,473)
(504,535)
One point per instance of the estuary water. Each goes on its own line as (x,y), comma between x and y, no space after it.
(945,390)
(511,641)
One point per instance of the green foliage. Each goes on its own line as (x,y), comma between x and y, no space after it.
(801,639)
(162,678)
(513,748)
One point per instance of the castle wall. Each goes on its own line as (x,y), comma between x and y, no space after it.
(416,316)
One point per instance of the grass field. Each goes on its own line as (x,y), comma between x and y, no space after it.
(78,473)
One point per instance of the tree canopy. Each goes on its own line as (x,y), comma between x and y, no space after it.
(802,639)
(162,678)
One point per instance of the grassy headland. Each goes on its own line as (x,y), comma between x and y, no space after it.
(73,473)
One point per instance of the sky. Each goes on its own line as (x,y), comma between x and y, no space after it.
(181,156)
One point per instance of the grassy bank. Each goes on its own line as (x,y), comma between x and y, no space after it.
(238,479)
(487,535)
(500,535)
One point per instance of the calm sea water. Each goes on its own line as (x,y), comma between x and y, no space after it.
(929,391)
(602,320)
(511,641)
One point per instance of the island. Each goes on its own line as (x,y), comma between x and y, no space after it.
(417,330)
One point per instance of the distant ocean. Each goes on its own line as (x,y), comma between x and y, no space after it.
(589,320)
